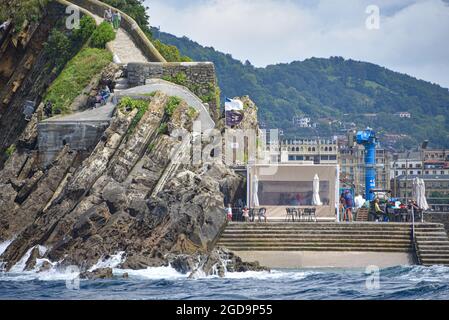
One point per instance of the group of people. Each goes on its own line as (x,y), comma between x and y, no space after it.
(245,214)
(113,17)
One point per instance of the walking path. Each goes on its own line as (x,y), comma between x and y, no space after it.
(171,89)
(123,47)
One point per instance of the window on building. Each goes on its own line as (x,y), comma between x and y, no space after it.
(333,157)
(291,158)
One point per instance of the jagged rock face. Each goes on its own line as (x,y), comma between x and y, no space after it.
(25,73)
(107,205)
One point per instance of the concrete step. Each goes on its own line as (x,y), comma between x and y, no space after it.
(239,237)
(299,248)
(263,233)
(438,243)
(315,244)
(435,262)
(432,248)
(440,255)
(122,81)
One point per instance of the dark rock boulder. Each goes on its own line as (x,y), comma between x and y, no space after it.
(103,273)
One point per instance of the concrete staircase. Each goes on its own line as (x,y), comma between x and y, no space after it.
(432,244)
(121,84)
(365,237)
(362,215)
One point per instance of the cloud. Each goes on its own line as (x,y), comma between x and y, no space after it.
(413,37)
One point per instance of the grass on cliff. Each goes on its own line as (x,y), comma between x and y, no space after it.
(75,77)
(128,104)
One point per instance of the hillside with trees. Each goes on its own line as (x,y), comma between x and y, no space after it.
(332,92)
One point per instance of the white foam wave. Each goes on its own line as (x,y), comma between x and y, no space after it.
(5,245)
(155,273)
(434,273)
(111,262)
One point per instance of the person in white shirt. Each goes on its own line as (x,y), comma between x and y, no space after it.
(359,201)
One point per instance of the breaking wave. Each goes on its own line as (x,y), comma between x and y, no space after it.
(401,282)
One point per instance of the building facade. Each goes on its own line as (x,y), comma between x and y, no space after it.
(437,186)
(309,151)
(351,160)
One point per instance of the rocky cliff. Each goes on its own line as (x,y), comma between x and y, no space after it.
(82,213)
(129,196)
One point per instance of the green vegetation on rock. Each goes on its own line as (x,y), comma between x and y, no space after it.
(10,150)
(171,106)
(86,29)
(128,104)
(103,34)
(21,11)
(75,77)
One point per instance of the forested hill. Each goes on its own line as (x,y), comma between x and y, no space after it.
(335,88)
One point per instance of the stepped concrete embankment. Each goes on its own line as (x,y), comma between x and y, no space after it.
(294,245)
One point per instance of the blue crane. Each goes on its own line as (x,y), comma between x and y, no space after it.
(368,139)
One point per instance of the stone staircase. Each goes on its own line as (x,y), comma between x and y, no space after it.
(362,215)
(432,244)
(278,236)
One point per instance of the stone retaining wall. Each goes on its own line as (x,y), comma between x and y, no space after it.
(128,24)
(198,77)
(80,136)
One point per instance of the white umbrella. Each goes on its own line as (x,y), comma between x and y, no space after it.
(255,192)
(316,201)
(421,200)
(337,192)
(415,189)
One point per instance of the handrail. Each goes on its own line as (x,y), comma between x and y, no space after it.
(96,7)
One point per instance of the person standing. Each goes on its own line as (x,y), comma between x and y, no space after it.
(115,20)
(245,214)
(108,15)
(229,213)
(349,203)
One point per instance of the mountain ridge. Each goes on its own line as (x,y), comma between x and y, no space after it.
(335,90)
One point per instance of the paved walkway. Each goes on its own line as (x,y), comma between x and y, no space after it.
(123,47)
(171,89)
(103,113)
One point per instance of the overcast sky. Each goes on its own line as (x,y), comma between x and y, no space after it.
(413,36)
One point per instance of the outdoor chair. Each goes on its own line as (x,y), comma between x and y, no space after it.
(290,214)
(251,215)
(306,214)
(262,214)
(313,214)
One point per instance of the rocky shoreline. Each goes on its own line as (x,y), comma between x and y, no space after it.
(85,210)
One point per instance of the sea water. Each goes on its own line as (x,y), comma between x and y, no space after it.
(401,282)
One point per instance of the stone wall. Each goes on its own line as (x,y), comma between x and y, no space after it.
(80,136)
(198,77)
(438,217)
